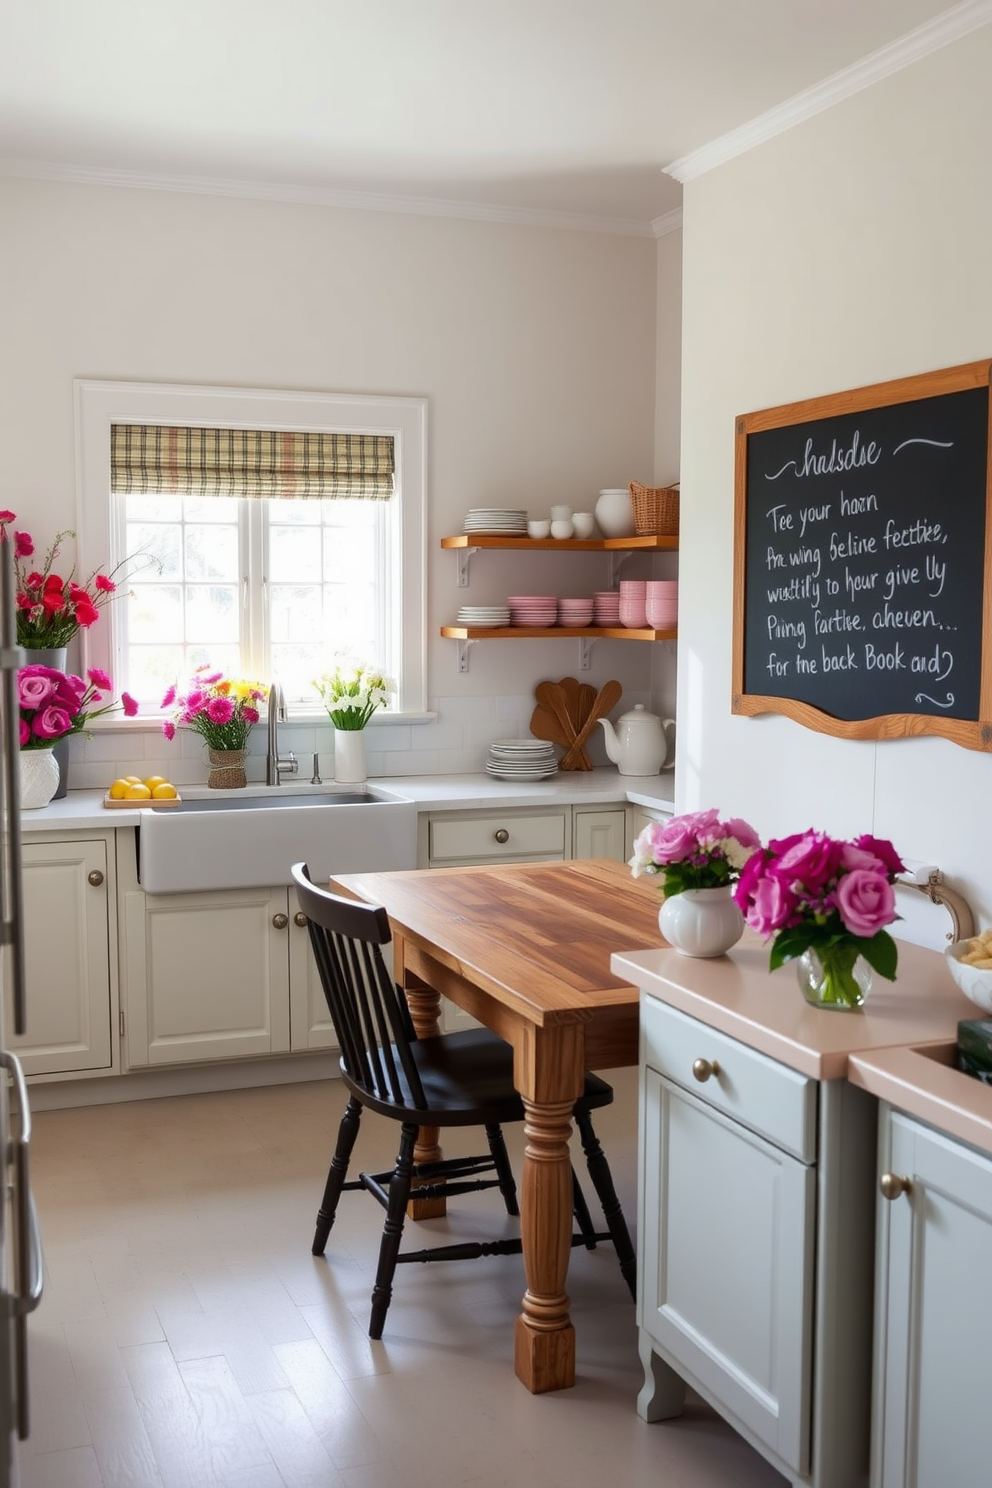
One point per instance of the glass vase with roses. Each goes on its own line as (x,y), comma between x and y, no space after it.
(698,857)
(825,903)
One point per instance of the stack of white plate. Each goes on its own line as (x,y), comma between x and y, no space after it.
(497,519)
(484,615)
(533,609)
(521,759)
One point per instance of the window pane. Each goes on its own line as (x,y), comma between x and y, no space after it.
(164,541)
(211,552)
(211,614)
(294,553)
(155,613)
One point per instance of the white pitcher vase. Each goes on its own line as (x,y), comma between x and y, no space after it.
(349,756)
(702,922)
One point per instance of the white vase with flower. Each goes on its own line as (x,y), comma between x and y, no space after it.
(351,693)
(698,858)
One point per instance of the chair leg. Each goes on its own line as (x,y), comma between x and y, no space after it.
(347,1133)
(392,1230)
(507,1186)
(580,1209)
(602,1179)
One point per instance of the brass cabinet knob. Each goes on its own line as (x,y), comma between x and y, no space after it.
(95,879)
(502,835)
(703,1068)
(300,919)
(893,1184)
(280,921)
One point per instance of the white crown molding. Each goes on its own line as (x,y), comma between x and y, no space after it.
(915,45)
(668,222)
(321,196)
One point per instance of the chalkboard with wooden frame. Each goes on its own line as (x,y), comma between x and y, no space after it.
(863,560)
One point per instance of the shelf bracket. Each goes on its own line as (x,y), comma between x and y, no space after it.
(617,560)
(585,653)
(463,651)
(463,556)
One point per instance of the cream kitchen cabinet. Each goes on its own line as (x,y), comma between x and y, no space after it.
(70,930)
(216,976)
(933,1309)
(754,1281)
(599,833)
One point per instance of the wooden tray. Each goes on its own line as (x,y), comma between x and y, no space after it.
(113,805)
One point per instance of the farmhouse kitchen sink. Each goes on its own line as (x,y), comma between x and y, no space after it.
(240,840)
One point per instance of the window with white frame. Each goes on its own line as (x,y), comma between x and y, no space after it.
(268,533)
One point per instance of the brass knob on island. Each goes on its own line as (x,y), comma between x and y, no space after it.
(502,835)
(893,1185)
(704,1068)
(300,919)
(280,921)
(94,879)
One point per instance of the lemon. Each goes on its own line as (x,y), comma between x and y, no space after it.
(164,791)
(134,780)
(153,780)
(118,791)
(138,791)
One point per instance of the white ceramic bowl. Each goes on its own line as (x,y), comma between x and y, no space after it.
(561,528)
(539,528)
(584,524)
(974,981)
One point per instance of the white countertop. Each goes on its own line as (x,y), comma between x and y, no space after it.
(84,810)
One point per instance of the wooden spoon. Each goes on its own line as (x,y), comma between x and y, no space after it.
(607,697)
(551,696)
(546,725)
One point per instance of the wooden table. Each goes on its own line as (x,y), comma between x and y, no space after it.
(525,948)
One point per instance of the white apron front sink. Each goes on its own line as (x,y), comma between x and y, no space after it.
(250,839)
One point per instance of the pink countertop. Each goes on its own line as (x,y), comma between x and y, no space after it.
(882,1048)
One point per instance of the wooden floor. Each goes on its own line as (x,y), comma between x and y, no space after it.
(188,1339)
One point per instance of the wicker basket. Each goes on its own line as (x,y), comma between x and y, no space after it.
(656,510)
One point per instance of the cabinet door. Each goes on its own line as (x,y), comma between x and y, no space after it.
(639,817)
(727,1264)
(599,834)
(933,1312)
(310,1025)
(67,942)
(207,975)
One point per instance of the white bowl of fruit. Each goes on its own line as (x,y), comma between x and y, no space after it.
(970,964)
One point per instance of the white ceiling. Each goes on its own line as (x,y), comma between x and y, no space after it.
(476,107)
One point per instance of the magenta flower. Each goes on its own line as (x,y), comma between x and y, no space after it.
(105,585)
(169,729)
(33,691)
(694,851)
(812,859)
(772,906)
(220,710)
(51,723)
(170,697)
(99,678)
(865,901)
(129,704)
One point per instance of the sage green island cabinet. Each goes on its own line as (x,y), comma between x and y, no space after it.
(754,1281)
(70,936)
(933,1327)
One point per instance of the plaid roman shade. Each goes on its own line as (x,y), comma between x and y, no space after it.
(154,459)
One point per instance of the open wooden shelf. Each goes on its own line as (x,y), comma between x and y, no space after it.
(552,633)
(563,545)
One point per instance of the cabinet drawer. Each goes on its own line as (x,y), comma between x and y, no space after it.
(483,836)
(768,1097)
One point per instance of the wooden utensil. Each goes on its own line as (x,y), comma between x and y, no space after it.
(607,697)
(554,696)
(546,725)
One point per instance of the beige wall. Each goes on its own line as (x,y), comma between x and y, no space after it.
(853,249)
(535,348)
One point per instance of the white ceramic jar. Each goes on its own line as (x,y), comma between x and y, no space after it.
(615,513)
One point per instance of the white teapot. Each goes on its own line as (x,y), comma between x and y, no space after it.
(637,746)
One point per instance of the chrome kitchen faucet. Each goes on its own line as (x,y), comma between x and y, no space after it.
(277,765)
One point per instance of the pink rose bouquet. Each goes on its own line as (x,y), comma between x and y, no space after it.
(55,704)
(695,851)
(51,609)
(222,710)
(812,892)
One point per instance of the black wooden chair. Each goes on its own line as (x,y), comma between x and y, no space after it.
(455,1079)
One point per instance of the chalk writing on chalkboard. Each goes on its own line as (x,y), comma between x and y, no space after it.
(861,560)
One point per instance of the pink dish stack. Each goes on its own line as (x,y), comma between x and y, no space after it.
(662,604)
(576,613)
(633,603)
(606,608)
(533,609)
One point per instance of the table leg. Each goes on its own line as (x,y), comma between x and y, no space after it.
(545,1337)
(425,1010)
